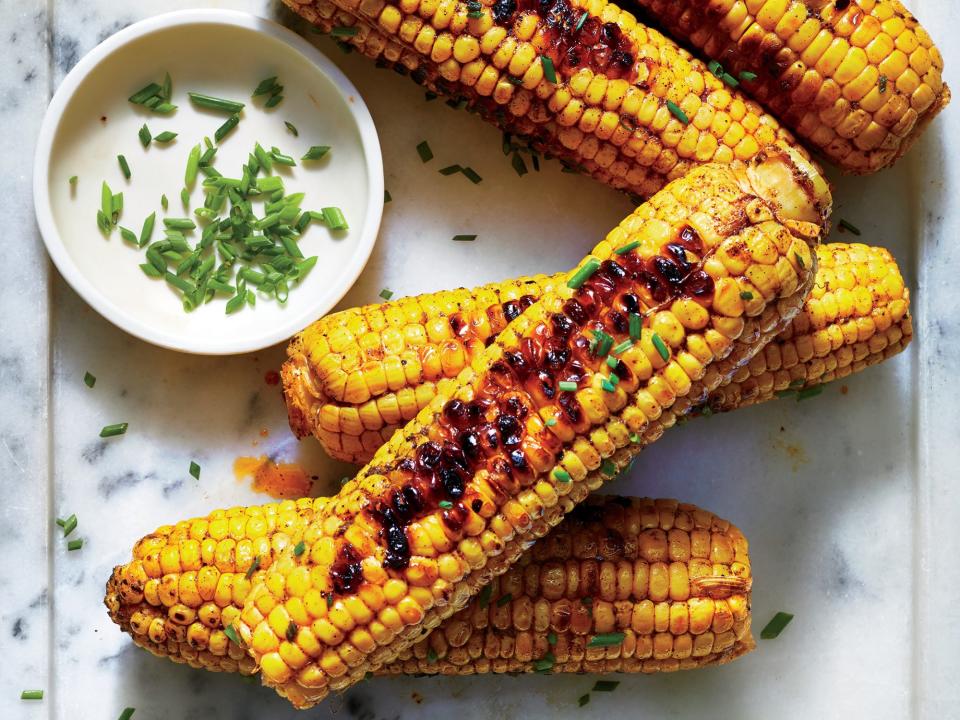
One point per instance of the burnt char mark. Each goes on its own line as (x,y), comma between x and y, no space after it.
(345,571)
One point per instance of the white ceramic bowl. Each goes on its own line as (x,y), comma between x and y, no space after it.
(226,54)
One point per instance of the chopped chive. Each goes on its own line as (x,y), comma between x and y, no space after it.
(608,468)
(330,601)
(445,504)
(265,86)
(114,430)
(797,383)
(776,625)
(464,238)
(386,294)
(622,347)
(299,548)
(581,21)
(504,599)
(549,71)
(344,31)
(518,164)
(221,132)
(292,128)
(164,108)
(624,249)
(431,655)
(31,695)
(195,470)
(747,76)
(69,525)
(606,639)
(145,135)
(635,438)
(661,347)
(583,274)
(583,699)
(106,201)
(472,175)
(882,84)
(163,201)
(424,151)
(147,230)
(215,103)
(75,544)
(126,714)
(607,385)
(475,14)
(316,152)
(185,197)
(715,68)
(605,685)
(800,261)
(387,197)
(179,223)
(165,137)
(193,167)
(746,295)
(545,663)
(550,422)
(450,170)
(677,112)
(561,475)
(128,235)
(73,180)
(167,89)
(551,638)
(483,597)
(281,159)
(231,634)
(806,393)
(612,363)
(333,217)
(567,386)
(844,225)
(730,80)
(89,379)
(149,270)
(145,93)
(291,632)
(254,566)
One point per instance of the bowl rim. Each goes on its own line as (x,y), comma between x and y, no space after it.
(91,292)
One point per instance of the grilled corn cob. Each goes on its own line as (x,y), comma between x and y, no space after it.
(354,377)
(588,85)
(539,420)
(857,80)
(674,580)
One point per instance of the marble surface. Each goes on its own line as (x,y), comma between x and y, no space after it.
(849,501)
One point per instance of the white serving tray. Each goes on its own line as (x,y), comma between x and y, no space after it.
(848,500)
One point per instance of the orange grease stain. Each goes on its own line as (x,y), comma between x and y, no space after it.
(279,480)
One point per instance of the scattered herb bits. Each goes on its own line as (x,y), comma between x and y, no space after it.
(214,103)
(31,695)
(266,86)
(164,137)
(387,197)
(464,238)
(89,379)
(549,71)
(316,152)
(386,294)
(231,634)
(195,470)
(114,430)
(606,639)
(221,132)
(126,714)
(424,151)
(583,699)
(299,548)
(776,625)
(605,685)
(72,181)
(677,112)
(75,544)
(291,128)
(155,97)
(344,31)
(849,227)
(144,135)
(68,524)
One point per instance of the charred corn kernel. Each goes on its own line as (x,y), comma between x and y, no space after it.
(858,81)
(373,519)
(614,123)
(526,612)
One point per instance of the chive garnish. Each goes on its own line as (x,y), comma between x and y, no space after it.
(126,714)
(622,347)
(292,128)
(607,385)
(265,86)
(805,393)
(605,685)
(583,699)
(584,273)
(677,112)
(89,379)
(504,599)
(464,238)
(612,362)
(299,548)
(215,103)
(72,180)
(475,14)
(145,93)
(776,625)
(844,225)
(424,151)
(551,638)
(445,504)
(550,422)
(567,386)
(800,261)
(882,84)
(549,71)
(386,294)
(333,217)
(221,132)
(106,206)
(316,152)
(746,295)
(730,80)
(606,639)
(561,475)
(747,76)
(114,430)
(545,663)
(660,346)
(291,632)
(165,137)
(608,468)
(193,167)
(387,197)
(68,525)
(431,656)
(581,21)
(472,175)
(624,249)
(635,438)
(145,136)
(344,31)
(518,164)
(185,197)
(330,600)
(155,97)
(179,223)
(75,544)
(231,634)
(450,170)
(31,695)
(280,158)
(483,598)
(128,235)
(715,68)
(254,566)
(195,470)
(163,201)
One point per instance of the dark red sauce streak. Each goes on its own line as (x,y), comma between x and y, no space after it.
(488,432)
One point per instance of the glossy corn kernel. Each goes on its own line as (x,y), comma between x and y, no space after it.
(856,315)
(635,121)
(857,80)
(586,598)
